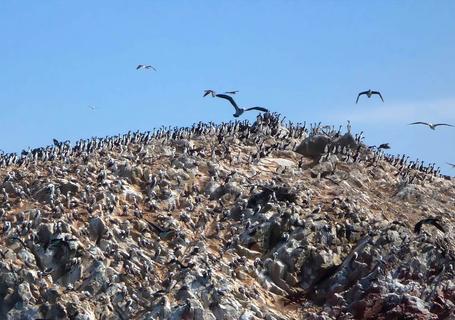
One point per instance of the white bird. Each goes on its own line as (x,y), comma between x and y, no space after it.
(369,93)
(145,66)
(432,126)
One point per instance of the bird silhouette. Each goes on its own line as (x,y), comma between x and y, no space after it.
(369,93)
(145,66)
(431,125)
(238,111)
(213,93)
(433,221)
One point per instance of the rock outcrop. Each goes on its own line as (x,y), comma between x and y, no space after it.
(234,221)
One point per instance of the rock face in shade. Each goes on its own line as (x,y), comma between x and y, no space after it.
(224,222)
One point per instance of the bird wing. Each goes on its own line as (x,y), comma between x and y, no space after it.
(364,92)
(232,92)
(378,93)
(230,99)
(152,67)
(418,226)
(451,164)
(207,92)
(139,66)
(257,108)
(419,122)
(443,124)
(437,224)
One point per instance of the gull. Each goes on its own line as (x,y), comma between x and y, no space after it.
(238,111)
(369,93)
(434,221)
(432,126)
(213,93)
(145,66)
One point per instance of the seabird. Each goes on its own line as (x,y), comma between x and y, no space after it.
(384,146)
(434,221)
(369,93)
(239,111)
(432,126)
(207,92)
(145,66)
(213,93)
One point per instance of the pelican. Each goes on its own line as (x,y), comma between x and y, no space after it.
(369,93)
(145,66)
(213,93)
(432,126)
(434,221)
(238,111)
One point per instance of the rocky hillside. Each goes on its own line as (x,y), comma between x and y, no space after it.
(233,221)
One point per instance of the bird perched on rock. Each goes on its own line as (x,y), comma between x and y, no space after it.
(433,221)
(238,111)
(369,93)
(431,125)
(145,66)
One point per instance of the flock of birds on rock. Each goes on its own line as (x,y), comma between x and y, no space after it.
(268,134)
(270,123)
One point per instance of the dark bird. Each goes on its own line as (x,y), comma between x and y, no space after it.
(207,92)
(369,93)
(239,111)
(213,93)
(434,221)
(145,66)
(384,146)
(432,126)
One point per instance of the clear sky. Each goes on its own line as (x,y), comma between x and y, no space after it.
(304,59)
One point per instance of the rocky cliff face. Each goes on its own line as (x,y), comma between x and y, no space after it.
(234,221)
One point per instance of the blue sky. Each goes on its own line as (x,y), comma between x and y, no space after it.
(304,59)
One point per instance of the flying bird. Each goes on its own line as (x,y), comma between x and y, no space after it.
(207,92)
(451,164)
(384,146)
(238,111)
(369,93)
(145,66)
(432,126)
(433,221)
(92,107)
(213,93)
